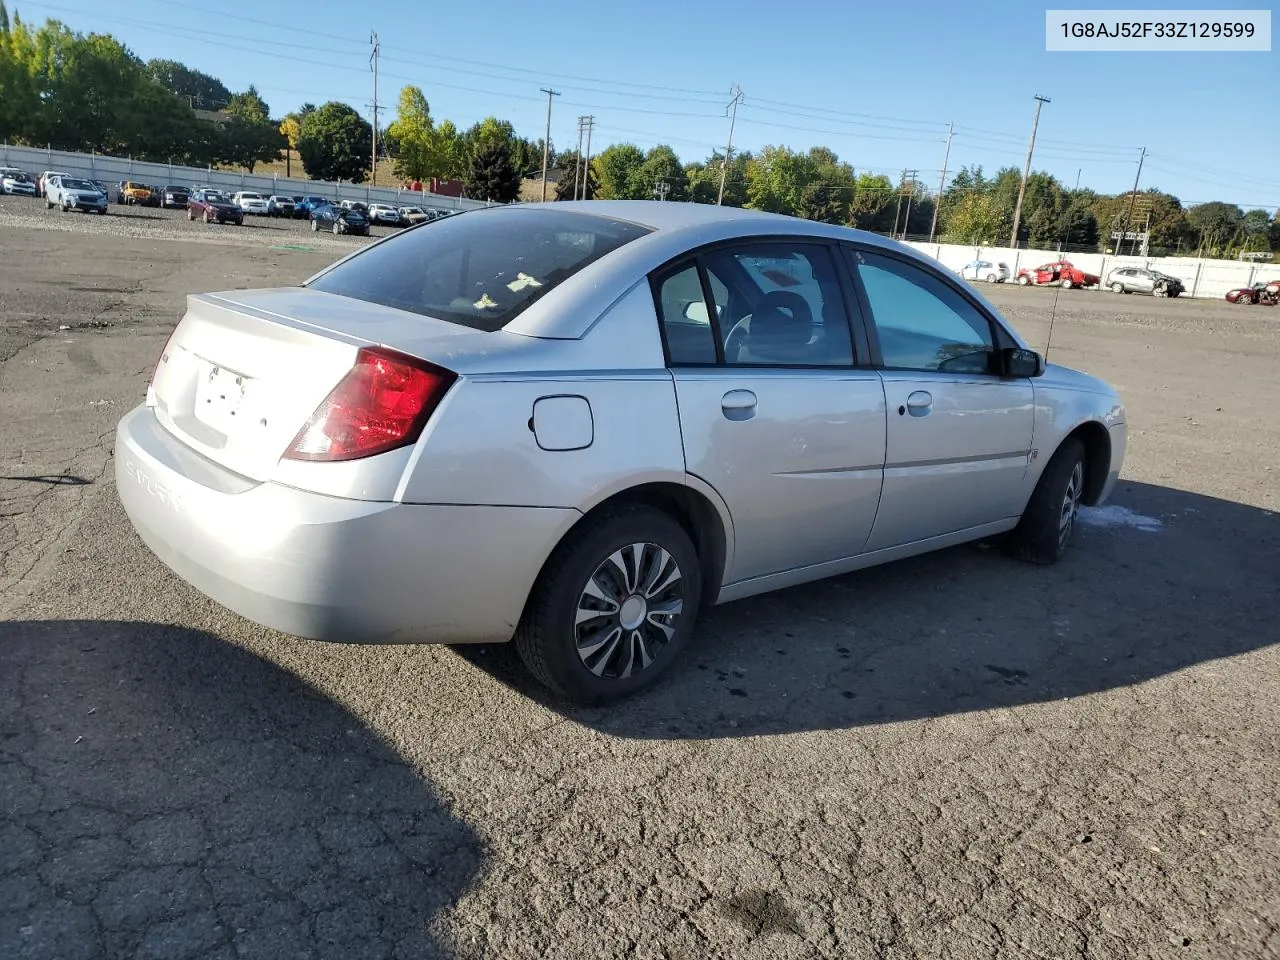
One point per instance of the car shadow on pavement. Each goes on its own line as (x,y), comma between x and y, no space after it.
(168,794)
(1156,581)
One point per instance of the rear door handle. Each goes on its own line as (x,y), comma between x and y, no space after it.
(919,402)
(738,404)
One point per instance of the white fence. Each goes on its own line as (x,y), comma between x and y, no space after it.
(114,169)
(1202,277)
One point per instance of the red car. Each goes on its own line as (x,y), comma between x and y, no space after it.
(213,206)
(1267,293)
(1061,272)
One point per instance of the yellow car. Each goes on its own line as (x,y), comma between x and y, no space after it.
(133,192)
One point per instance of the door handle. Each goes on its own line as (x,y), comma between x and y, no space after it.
(738,404)
(919,402)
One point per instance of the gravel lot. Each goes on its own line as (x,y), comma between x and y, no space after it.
(954,756)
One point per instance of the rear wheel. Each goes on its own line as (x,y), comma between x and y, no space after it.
(1049,520)
(613,607)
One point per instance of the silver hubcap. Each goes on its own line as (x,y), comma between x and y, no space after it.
(628,610)
(1070,504)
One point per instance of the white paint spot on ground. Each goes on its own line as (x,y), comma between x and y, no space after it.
(1117,516)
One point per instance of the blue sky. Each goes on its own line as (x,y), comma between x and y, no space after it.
(876,82)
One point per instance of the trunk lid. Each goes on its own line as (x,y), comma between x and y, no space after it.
(244,371)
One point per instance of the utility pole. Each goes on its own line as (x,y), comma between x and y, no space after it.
(897,210)
(942,183)
(373,62)
(910,197)
(546,141)
(586,167)
(728,149)
(660,189)
(1124,224)
(577,158)
(1026,171)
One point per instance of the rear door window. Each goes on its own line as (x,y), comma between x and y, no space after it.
(481,270)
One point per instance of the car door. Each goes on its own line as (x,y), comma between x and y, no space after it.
(1143,281)
(774,412)
(959,434)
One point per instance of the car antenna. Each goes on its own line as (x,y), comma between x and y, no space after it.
(1057,290)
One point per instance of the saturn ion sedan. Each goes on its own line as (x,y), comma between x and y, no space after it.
(573,425)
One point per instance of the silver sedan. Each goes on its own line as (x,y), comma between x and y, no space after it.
(573,425)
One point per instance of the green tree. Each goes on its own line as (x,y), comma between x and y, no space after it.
(493,176)
(418,155)
(249,107)
(1218,226)
(977,217)
(574,170)
(704,179)
(660,164)
(873,203)
(199,90)
(776,179)
(335,143)
(617,168)
(247,144)
(453,160)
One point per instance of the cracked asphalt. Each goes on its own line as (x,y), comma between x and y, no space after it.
(956,756)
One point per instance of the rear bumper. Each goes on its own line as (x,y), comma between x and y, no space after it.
(328,568)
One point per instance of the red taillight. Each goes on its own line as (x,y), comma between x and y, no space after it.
(382,403)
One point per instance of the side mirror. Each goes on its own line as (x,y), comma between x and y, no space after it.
(1017,362)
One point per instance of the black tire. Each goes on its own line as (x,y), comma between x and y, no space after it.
(547,637)
(1040,536)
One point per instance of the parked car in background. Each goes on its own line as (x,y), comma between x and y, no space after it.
(985,270)
(340,219)
(214,206)
(304,205)
(73,193)
(389,452)
(279,205)
(1061,272)
(355,205)
(412,215)
(102,189)
(43,179)
(135,193)
(1143,280)
(386,214)
(1266,292)
(17,183)
(251,202)
(174,197)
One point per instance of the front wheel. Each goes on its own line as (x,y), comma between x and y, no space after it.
(191,214)
(1023,280)
(337,230)
(1117,288)
(315,226)
(1160,292)
(992,278)
(1050,518)
(1066,283)
(613,607)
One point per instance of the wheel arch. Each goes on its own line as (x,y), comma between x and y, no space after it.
(1096,439)
(697,508)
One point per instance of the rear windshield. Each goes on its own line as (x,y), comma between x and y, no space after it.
(480,270)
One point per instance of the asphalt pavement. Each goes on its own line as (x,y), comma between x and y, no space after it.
(952,756)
